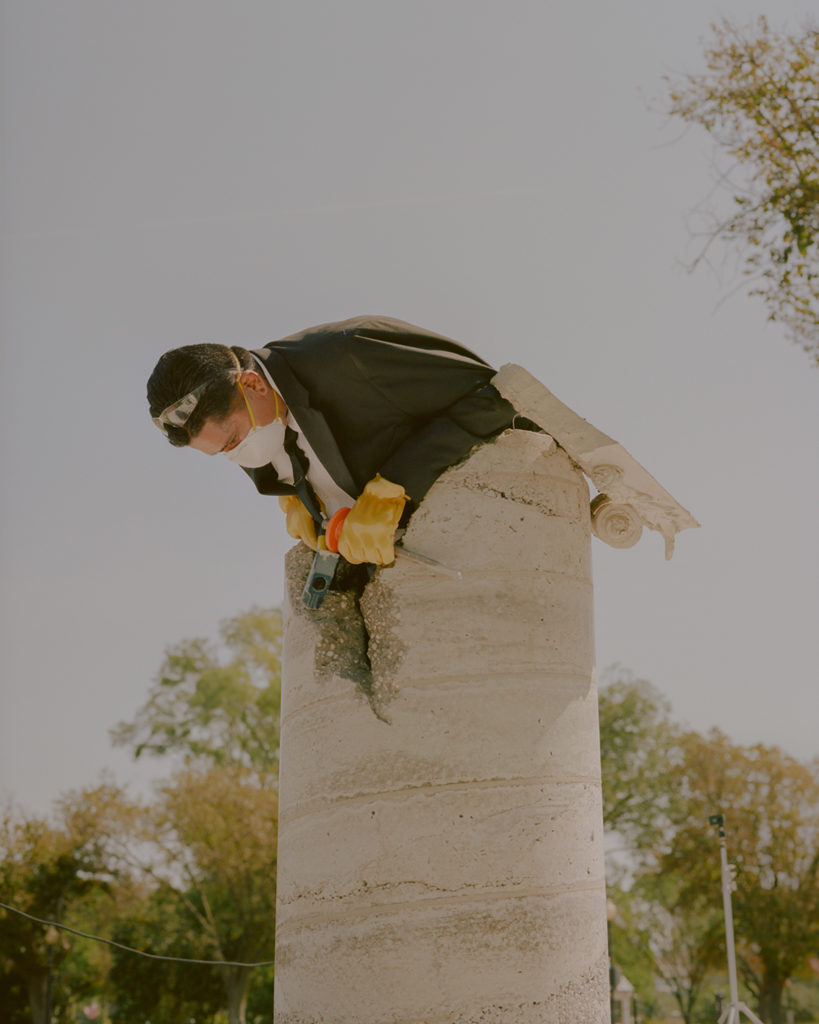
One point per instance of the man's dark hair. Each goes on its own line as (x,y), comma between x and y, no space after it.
(182,370)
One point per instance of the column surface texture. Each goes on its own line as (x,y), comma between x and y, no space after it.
(440,834)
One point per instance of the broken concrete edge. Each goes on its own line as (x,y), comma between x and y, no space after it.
(352,635)
(614,472)
(339,632)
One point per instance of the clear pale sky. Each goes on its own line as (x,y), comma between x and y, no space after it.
(185,170)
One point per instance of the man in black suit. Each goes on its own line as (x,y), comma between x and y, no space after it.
(367,413)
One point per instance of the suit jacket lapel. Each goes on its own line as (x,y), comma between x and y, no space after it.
(311,421)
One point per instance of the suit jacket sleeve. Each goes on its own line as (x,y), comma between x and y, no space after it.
(399,401)
(446,439)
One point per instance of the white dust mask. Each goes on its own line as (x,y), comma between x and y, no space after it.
(261,444)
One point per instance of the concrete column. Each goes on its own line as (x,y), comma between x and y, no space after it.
(440,831)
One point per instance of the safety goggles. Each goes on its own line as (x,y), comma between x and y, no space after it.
(179,412)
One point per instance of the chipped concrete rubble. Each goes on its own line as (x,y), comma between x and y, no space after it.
(440,825)
(342,641)
(355,639)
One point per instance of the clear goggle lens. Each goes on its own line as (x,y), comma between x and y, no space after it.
(179,412)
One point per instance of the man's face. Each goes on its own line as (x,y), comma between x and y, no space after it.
(218,436)
(222,435)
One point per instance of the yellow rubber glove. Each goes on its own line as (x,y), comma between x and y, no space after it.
(299,521)
(368,534)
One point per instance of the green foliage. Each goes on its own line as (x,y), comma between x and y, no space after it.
(53,871)
(260,997)
(213,824)
(660,785)
(655,933)
(629,949)
(216,704)
(771,807)
(82,977)
(759,100)
(13,995)
(191,875)
(216,830)
(159,990)
(640,749)
(682,937)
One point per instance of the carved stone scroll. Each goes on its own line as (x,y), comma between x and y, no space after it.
(612,470)
(616,524)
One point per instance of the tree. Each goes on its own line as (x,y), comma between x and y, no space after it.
(216,704)
(771,806)
(660,785)
(48,871)
(216,830)
(639,750)
(162,991)
(655,933)
(681,938)
(759,100)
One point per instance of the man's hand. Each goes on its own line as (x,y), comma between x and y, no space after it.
(299,521)
(368,534)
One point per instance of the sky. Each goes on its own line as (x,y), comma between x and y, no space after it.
(177,171)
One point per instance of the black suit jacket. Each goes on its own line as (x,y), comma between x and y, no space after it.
(377,395)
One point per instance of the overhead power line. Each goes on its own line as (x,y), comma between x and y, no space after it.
(130,949)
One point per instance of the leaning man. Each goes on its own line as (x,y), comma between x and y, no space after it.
(366,413)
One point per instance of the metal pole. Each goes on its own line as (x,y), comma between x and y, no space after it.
(731,1014)
(730,946)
